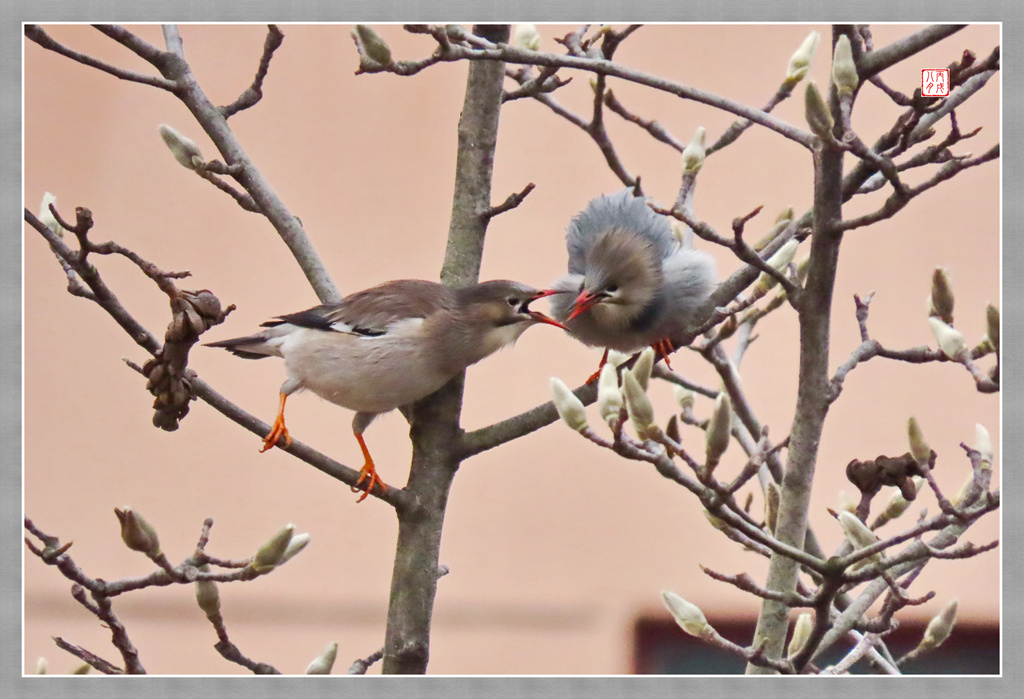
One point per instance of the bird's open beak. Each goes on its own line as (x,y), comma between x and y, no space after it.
(537,315)
(584,302)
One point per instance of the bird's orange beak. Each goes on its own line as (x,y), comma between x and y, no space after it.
(584,302)
(537,315)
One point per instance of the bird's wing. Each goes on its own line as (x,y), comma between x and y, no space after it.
(371,312)
(620,210)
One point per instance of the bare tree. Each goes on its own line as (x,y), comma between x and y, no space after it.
(801,575)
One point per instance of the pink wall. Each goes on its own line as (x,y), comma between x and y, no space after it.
(554,545)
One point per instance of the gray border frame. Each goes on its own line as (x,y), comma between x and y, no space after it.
(1010,13)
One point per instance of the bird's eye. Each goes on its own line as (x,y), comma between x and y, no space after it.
(612,288)
(512,301)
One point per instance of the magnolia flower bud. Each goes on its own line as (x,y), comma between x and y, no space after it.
(951,342)
(271,553)
(779,261)
(41,666)
(940,627)
(801,632)
(941,300)
(772,496)
(207,596)
(643,367)
(323,663)
(641,412)
(609,397)
(816,112)
(844,70)
(983,445)
(616,358)
(800,62)
(992,325)
(136,533)
(898,504)
(693,154)
(918,446)
(297,543)
(47,217)
(184,149)
(570,408)
(857,533)
(82,669)
(688,615)
(718,432)
(374,46)
(526,36)
(684,397)
(786,215)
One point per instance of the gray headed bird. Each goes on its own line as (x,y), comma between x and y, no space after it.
(388,346)
(631,282)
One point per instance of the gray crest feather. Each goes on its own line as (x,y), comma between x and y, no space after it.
(620,210)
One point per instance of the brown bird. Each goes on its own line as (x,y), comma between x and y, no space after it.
(631,282)
(388,346)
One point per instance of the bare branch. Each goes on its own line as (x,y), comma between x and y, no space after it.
(876,61)
(254,92)
(35,33)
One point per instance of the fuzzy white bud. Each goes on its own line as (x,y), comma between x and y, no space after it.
(136,533)
(688,615)
(693,154)
(374,46)
(47,217)
(641,411)
(816,112)
(526,36)
(940,627)
(951,342)
(719,430)
(992,326)
(685,398)
(184,149)
(643,367)
(570,408)
(779,261)
(270,554)
(898,504)
(323,663)
(844,70)
(918,444)
(207,596)
(857,533)
(940,303)
(983,445)
(800,62)
(617,358)
(801,632)
(609,397)
(296,544)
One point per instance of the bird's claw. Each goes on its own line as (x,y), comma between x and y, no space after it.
(277,432)
(368,472)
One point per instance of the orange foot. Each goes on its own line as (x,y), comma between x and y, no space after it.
(367,473)
(278,430)
(597,374)
(663,348)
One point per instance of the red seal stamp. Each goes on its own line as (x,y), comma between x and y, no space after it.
(935,82)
